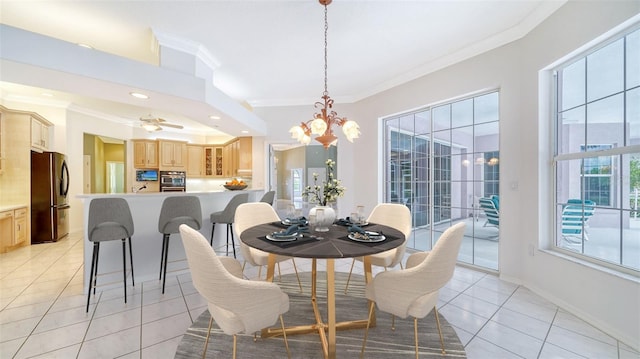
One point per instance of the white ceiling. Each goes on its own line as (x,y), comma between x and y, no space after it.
(271,52)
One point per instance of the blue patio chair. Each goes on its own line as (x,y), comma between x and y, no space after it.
(575,215)
(491,210)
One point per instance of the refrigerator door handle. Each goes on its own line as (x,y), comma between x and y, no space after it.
(64,180)
(62,206)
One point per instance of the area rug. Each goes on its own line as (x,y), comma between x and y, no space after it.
(381,343)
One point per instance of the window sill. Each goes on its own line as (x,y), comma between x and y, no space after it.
(592,265)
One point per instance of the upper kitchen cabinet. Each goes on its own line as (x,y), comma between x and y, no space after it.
(204,161)
(237,157)
(40,133)
(213,161)
(195,161)
(15,182)
(245,155)
(145,154)
(173,155)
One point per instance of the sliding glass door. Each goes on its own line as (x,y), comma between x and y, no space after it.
(443,163)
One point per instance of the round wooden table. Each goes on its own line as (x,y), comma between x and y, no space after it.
(330,245)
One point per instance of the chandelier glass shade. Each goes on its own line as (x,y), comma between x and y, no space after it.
(323,121)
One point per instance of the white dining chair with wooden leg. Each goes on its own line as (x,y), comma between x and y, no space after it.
(253,214)
(393,215)
(237,305)
(414,291)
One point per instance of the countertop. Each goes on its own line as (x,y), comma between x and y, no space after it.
(164,194)
(12,207)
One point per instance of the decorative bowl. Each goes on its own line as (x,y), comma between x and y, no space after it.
(235,188)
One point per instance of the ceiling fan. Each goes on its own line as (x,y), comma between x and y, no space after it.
(156,124)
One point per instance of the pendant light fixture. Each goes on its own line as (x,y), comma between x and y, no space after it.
(323,121)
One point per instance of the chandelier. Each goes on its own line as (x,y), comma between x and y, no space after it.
(322,122)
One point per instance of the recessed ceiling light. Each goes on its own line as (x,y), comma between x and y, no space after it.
(214,117)
(85,46)
(138,95)
(244,131)
(47,94)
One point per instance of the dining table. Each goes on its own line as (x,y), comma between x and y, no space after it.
(333,244)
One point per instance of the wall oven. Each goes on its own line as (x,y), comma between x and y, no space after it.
(172,181)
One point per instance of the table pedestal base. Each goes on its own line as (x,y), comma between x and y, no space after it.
(326,331)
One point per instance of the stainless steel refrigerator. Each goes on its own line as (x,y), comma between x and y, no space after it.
(49,197)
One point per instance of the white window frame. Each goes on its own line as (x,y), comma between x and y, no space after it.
(548,79)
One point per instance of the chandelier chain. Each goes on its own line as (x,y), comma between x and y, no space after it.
(326,28)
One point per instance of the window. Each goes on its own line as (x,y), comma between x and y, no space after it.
(597,152)
(597,176)
(439,162)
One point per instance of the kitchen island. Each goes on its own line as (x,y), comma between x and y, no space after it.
(147,241)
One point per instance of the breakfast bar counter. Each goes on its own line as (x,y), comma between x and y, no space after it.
(146,240)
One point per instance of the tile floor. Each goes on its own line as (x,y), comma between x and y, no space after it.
(42,313)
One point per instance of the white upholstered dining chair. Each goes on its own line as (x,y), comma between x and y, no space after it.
(394,215)
(231,299)
(252,214)
(414,291)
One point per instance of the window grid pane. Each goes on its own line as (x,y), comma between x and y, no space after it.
(598,189)
(441,168)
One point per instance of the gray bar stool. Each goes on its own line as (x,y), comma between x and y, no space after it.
(109,220)
(176,211)
(226,216)
(268,197)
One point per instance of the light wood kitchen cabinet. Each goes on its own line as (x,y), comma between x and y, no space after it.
(2,132)
(145,154)
(13,228)
(228,159)
(6,230)
(195,161)
(19,226)
(245,154)
(213,161)
(40,133)
(173,155)
(237,157)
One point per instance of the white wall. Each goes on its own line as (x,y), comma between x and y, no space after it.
(607,301)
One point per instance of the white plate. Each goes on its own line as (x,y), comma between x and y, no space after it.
(290,238)
(373,238)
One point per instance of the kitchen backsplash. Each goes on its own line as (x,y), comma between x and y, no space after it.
(199,184)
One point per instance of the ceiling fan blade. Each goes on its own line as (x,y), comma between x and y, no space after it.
(164,124)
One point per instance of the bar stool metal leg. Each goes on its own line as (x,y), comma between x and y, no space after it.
(91,273)
(124,267)
(95,273)
(162,256)
(166,255)
(213,228)
(233,243)
(133,281)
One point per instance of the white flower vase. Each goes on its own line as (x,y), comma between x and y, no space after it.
(324,216)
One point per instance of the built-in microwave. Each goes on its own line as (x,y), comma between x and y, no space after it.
(172,181)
